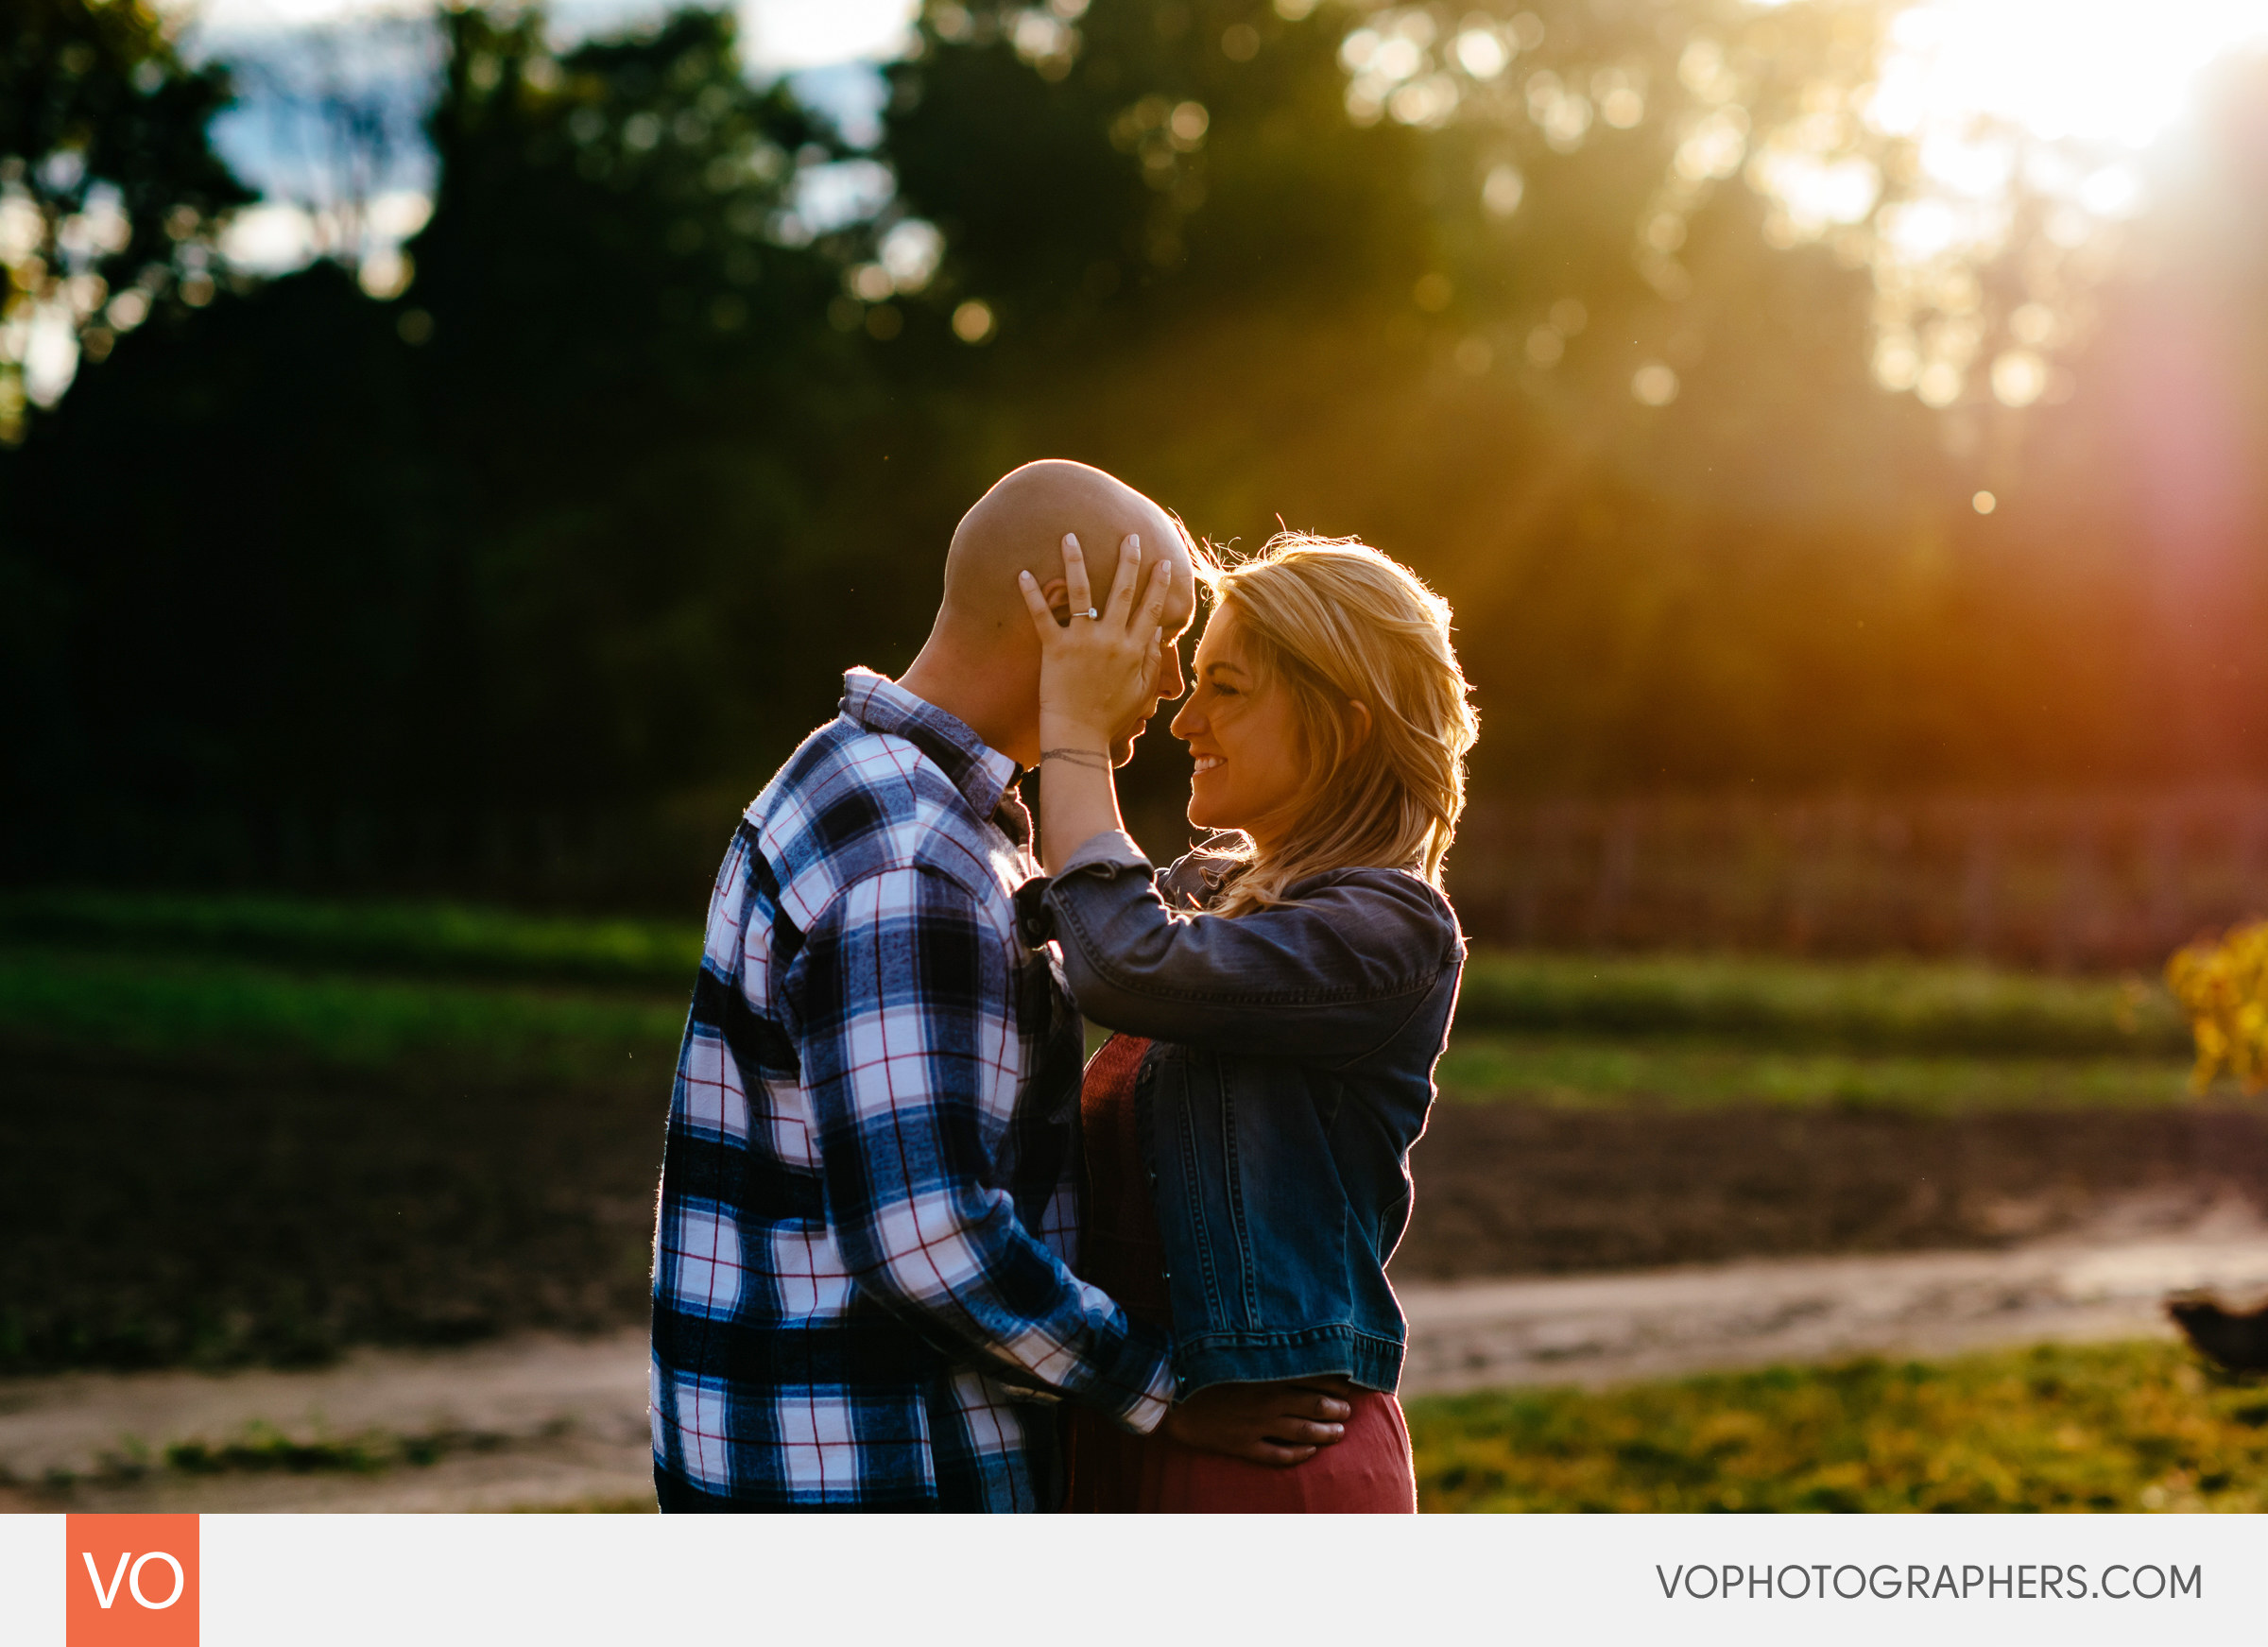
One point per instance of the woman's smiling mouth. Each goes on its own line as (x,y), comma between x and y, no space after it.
(1207,763)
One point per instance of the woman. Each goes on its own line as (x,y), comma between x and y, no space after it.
(1279,1001)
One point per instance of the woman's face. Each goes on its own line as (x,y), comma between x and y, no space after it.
(1244,735)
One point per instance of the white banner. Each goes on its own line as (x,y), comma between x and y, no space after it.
(289,1581)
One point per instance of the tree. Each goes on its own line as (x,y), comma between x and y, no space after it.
(558,531)
(109,194)
(625,357)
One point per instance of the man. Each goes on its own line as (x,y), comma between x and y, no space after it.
(862,1296)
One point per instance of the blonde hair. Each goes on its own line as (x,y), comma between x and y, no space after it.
(1333,621)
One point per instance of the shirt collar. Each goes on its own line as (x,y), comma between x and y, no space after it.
(980,772)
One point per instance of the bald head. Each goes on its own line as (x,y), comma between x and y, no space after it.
(1019,527)
(982,660)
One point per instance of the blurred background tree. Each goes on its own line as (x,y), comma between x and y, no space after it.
(109,190)
(1610,318)
(110,195)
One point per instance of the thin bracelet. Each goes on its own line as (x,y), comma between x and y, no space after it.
(1094,759)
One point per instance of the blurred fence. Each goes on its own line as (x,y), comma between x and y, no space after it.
(2066,882)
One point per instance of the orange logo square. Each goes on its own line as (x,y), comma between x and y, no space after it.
(131,1580)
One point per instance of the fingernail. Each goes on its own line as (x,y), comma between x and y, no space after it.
(1070,540)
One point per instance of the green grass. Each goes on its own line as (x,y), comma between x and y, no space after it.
(413,938)
(1574,1072)
(1905,1006)
(242,1011)
(367,984)
(247,1012)
(2099,1426)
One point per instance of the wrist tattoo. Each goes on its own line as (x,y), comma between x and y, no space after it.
(1094,759)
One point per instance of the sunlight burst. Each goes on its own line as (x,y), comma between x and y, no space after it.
(2099,71)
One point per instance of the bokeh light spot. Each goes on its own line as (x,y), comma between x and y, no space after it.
(1427,102)
(1482,54)
(1397,58)
(1654,384)
(1622,107)
(1503,190)
(910,253)
(2033,323)
(1939,384)
(2019,378)
(972,322)
(1983,503)
(1896,362)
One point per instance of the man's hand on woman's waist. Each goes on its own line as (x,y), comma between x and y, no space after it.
(1280,1424)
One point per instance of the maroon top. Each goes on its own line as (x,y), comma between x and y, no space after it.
(1120,1252)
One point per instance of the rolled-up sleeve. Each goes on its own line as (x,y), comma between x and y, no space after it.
(905,999)
(1109,854)
(1328,977)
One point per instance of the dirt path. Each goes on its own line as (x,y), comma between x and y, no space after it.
(1599,1329)
(550,1423)
(529,1422)
(1522,1189)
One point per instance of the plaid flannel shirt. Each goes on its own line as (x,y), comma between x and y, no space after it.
(862,1291)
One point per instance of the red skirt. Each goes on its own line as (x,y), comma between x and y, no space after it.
(1366,1474)
(1368,1471)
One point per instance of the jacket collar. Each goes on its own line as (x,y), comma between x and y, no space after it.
(982,774)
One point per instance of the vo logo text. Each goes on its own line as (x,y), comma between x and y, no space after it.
(130,1581)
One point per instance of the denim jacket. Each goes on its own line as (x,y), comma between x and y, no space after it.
(1292,1070)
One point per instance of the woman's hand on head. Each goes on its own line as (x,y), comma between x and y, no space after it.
(1097,674)
(1274,1424)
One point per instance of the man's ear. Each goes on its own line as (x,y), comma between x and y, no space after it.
(1057,595)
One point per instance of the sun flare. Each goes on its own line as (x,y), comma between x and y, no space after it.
(2077,104)
(2098,72)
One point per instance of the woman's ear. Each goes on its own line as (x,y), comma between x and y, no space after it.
(1358,721)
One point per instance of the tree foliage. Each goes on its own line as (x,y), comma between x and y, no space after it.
(576,533)
(108,187)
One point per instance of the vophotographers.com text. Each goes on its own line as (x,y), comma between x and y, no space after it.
(2026,1582)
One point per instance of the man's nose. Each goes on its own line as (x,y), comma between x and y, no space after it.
(1169,684)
